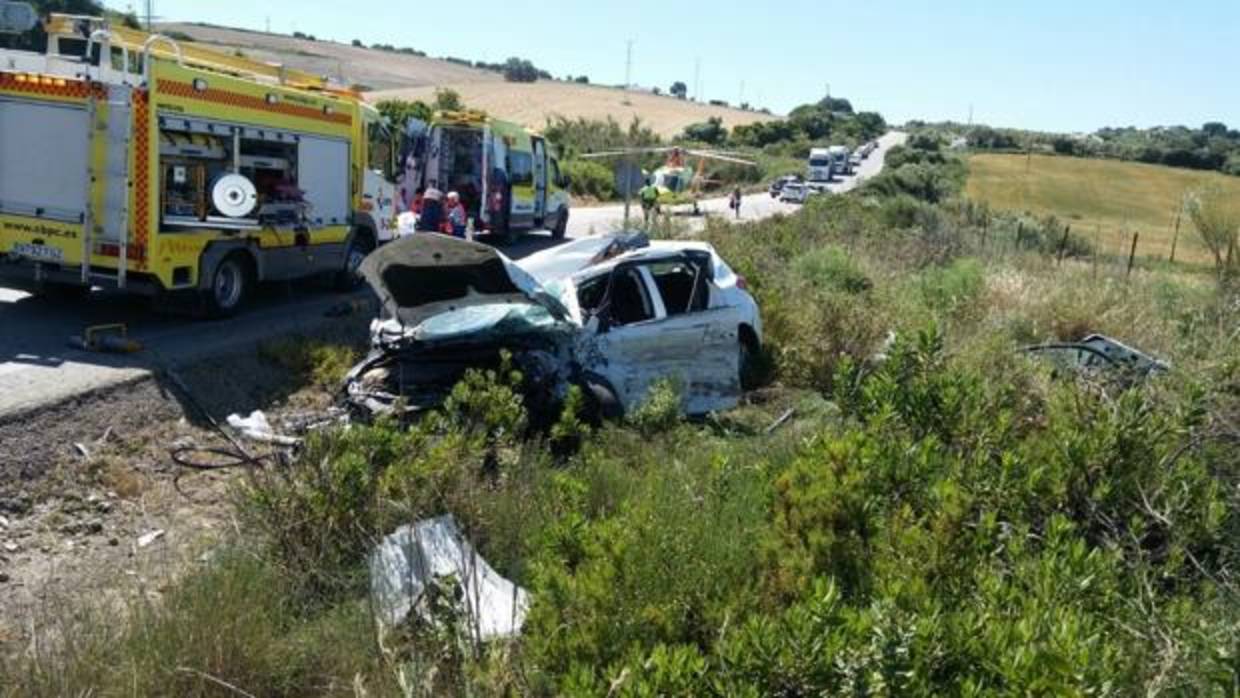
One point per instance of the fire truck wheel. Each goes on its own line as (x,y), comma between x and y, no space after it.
(61,291)
(360,245)
(230,284)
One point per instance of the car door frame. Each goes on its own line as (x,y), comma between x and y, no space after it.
(697,349)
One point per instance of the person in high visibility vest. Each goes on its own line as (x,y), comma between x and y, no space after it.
(649,196)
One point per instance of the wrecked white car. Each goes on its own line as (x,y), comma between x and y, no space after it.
(612,315)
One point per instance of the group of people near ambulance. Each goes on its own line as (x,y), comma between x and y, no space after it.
(439,214)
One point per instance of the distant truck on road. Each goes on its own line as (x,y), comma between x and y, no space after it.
(819,165)
(840,159)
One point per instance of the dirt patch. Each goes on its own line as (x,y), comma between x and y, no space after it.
(92,505)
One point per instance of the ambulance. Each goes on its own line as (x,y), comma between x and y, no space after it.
(508,177)
(133,162)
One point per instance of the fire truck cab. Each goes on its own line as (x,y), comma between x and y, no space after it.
(134,162)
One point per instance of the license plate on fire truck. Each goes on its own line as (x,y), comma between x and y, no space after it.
(40,253)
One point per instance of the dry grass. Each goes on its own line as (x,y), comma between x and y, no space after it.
(1107,198)
(533,103)
(363,66)
(395,75)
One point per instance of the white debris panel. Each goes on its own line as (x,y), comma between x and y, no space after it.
(406,562)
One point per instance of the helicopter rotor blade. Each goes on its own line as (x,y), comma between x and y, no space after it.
(620,153)
(720,156)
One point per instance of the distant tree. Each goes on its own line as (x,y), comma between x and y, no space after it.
(399,111)
(358,43)
(656,91)
(1215,129)
(582,79)
(710,131)
(719,102)
(836,104)
(447,99)
(520,70)
(679,90)
(1064,145)
(870,124)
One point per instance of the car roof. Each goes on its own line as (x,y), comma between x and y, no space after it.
(656,250)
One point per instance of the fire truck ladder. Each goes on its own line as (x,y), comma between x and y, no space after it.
(111,226)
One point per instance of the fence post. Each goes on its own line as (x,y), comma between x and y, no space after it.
(1097,244)
(1175,238)
(1063,244)
(1132,254)
(1020,234)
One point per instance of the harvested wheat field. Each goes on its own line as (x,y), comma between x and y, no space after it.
(533,103)
(352,65)
(405,76)
(1105,198)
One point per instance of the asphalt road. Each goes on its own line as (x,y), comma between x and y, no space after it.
(37,366)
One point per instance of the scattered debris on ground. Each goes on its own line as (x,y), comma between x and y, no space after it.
(408,564)
(1098,355)
(94,503)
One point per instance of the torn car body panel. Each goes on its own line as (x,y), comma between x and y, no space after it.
(1098,355)
(423,276)
(613,313)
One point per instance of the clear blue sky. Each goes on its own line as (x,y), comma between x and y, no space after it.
(1044,64)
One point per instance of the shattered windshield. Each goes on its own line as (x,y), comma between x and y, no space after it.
(497,318)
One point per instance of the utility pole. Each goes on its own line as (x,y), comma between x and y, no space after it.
(148,15)
(628,66)
(268,24)
(697,80)
(970,115)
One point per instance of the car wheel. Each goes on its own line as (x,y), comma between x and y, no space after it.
(601,401)
(62,291)
(230,285)
(360,246)
(561,226)
(747,364)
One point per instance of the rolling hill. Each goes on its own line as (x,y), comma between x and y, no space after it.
(1108,198)
(387,75)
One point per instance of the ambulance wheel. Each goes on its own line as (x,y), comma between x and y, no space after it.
(360,245)
(231,281)
(561,226)
(504,236)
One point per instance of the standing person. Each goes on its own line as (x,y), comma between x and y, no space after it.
(735,201)
(431,217)
(649,196)
(456,217)
(498,201)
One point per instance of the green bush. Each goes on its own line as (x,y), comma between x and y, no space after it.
(940,514)
(831,267)
(953,288)
(590,178)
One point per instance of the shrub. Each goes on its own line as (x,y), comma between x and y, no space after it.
(447,99)
(710,131)
(590,178)
(832,268)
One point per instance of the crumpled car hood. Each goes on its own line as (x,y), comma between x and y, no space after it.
(420,277)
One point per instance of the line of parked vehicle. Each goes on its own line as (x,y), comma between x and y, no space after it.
(824,166)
